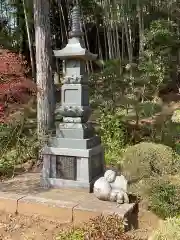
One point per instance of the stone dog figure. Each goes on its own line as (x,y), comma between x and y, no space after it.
(111,188)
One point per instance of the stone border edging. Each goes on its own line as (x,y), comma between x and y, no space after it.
(65,212)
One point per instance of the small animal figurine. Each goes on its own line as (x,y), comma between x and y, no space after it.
(111,188)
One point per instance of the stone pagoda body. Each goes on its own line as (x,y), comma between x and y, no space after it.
(73,157)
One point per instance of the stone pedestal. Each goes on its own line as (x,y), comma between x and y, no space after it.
(77,168)
(73,157)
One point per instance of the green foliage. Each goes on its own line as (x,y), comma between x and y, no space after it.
(18,143)
(177,147)
(113,135)
(168,133)
(148,109)
(160,56)
(153,70)
(14,34)
(162,36)
(164,198)
(73,234)
(164,131)
(176,116)
(161,193)
(92,9)
(110,85)
(5,38)
(110,227)
(18,146)
(136,111)
(168,230)
(149,159)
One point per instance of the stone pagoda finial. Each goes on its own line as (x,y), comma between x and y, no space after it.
(76,22)
(75,47)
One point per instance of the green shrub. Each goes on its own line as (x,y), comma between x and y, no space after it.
(168,230)
(148,109)
(160,56)
(167,132)
(164,198)
(109,85)
(160,193)
(105,228)
(149,159)
(113,135)
(18,143)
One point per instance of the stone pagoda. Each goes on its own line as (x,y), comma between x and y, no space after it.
(74,157)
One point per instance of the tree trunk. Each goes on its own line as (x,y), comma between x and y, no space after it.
(29,41)
(45,103)
(22,35)
(128,39)
(141,29)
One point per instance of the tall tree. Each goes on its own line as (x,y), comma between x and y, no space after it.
(44,78)
(31,51)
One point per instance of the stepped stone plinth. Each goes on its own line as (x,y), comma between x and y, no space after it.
(73,157)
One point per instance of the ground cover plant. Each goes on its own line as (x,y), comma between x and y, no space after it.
(164,198)
(104,228)
(168,229)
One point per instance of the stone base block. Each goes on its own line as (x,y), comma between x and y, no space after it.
(74,143)
(75,130)
(64,183)
(72,168)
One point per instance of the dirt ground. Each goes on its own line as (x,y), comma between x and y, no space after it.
(18,227)
(147,223)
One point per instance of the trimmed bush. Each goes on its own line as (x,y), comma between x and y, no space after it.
(148,159)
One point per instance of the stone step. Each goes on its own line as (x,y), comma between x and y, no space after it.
(24,195)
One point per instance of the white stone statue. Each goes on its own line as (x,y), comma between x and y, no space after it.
(111,188)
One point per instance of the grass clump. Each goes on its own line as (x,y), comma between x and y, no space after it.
(148,159)
(168,230)
(72,234)
(164,198)
(102,228)
(18,143)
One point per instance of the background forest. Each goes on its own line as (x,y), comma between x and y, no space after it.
(134,87)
